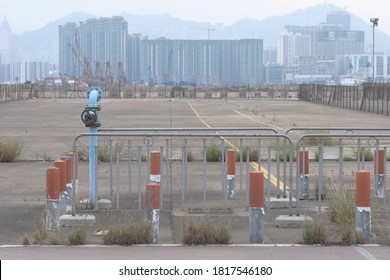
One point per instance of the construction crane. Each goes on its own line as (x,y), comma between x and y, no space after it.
(85,67)
(109,77)
(208,30)
(98,71)
(122,79)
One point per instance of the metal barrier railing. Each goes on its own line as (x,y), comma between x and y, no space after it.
(191,181)
(344,140)
(184,151)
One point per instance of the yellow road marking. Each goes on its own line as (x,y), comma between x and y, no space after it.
(255,165)
(252,119)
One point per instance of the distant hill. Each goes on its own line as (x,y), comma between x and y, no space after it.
(42,44)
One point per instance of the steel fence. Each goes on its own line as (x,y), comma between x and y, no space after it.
(368,97)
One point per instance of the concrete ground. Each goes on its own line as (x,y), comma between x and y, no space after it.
(48,127)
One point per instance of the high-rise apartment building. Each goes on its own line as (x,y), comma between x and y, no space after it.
(291,46)
(339,18)
(202,61)
(95,47)
(5,42)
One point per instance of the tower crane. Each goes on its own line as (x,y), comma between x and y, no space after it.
(209,29)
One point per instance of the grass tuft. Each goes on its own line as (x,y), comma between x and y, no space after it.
(206,232)
(10,148)
(128,234)
(314,233)
(77,236)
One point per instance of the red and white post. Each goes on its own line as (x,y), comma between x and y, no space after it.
(362,202)
(256,207)
(304,174)
(152,197)
(61,165)
(379,169)
(52,198)
(231,174)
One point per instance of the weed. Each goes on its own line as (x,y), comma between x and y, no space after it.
(253,154)
(40,235)
(25,240)
(314,233)
(128,234)
(190,156)
(213,154)
(77,236)
(206,232)
(316,140)
(367,153)
(10,148)
(342,214)
(286,152)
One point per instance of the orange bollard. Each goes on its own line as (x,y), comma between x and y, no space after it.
(362,201)
(52,198)
(302,160)
(362,188)
(152,199)
(256,207)
(231,160)
(61,165)
(52,183)
(155,166)
(68,161)
(256,190)
(381,161)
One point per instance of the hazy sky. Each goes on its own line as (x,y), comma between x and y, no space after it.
(25,15)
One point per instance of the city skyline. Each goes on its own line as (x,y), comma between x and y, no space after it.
(31,15)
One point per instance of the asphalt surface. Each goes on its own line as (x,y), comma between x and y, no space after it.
(48,127)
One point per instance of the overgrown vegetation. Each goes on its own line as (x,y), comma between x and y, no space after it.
(314,233)
(253,154)
(342,215)
(77,236)
(103,151)
(213,153)
(10,148)
(206,231)
(315,141)
(128,234)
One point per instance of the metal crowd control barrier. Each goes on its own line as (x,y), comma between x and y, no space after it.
(181,152)
(189,177)
(373,143)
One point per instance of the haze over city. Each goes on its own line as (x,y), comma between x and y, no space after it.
(30,15)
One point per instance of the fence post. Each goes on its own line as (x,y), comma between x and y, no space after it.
(52,198)
(256,207)
(152,208)
(379,167)
(153,203)
(155,170)
(62,167)
(362,202)
(304,174)
(68,186)
(231,173)
(72,193)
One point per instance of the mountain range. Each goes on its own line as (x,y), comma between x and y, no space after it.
(42,44)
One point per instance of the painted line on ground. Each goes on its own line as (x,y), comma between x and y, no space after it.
(252,119)
(273,179)
(367,255)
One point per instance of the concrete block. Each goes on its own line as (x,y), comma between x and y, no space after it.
(286,221)
(102,204)
(77,220)
(278,203)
